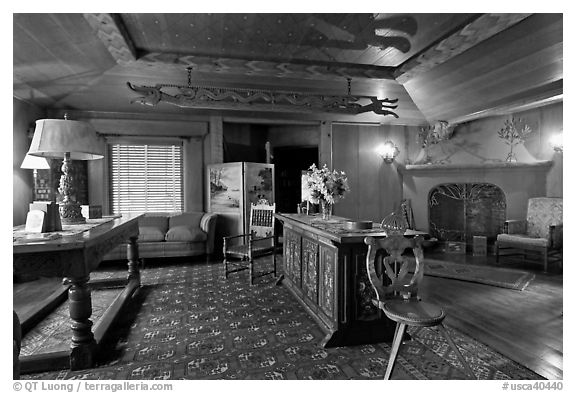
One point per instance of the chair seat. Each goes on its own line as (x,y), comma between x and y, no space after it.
(241,250)
(520,239)
(413,312)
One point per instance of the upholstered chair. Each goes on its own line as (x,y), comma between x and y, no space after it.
(540,233)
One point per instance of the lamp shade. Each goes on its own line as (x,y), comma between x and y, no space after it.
(54,138)
(34,162)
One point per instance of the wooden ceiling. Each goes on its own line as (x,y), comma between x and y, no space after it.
(452,67)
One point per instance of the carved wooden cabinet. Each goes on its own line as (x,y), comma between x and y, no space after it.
(326,272)
(310,270)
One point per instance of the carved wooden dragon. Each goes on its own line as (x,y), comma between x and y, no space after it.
(214,97)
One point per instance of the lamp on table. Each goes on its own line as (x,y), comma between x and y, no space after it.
(67,140)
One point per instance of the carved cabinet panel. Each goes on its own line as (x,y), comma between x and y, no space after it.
(327,281)
(292,260)
(310,269)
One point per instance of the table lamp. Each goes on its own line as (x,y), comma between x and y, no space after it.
(67,140)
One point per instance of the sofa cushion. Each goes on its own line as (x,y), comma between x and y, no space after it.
(151,234)
(185,233)
(190,219)
(158,220)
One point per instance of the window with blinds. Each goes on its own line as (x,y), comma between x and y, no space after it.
(145,178)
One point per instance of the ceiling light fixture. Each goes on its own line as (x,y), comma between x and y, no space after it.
(210,97)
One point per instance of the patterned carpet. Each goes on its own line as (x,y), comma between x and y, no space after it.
(188,322)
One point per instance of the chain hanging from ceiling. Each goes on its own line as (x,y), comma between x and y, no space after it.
(207,97)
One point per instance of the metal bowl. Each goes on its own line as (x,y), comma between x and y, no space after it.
(355,225)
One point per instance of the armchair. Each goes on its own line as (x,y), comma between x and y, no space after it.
(540,233)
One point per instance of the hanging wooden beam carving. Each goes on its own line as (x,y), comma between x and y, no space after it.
(260,100)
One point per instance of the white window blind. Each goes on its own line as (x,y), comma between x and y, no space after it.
(145,178)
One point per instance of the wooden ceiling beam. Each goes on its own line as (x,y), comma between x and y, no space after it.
(266,68)
(111,31)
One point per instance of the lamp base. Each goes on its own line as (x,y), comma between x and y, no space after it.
(71,213)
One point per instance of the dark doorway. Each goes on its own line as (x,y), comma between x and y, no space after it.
(289,162)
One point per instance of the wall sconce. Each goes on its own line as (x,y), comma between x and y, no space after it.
(388,151)
(556,141)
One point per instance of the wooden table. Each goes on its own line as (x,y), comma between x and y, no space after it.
(73,254)
(325,269)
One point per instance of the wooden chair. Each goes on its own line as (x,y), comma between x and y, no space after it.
(540,233)
(260,241)
(396,291)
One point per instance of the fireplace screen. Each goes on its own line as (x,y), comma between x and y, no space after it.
(460,211)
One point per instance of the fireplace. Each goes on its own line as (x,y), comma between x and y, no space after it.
(508,185)
(460,211)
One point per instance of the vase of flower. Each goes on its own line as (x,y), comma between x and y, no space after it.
(325,209)
(324,187)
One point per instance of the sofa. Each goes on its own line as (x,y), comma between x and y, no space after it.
(172,235)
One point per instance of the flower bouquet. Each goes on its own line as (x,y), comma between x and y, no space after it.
(324,187)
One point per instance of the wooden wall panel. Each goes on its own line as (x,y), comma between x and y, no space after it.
(345,158)
(390,178)
(375,187)
(194,175)
(24,117)
(325,148)
(369,172)
(550,120)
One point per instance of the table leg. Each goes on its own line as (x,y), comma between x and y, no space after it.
(133,268)
(83,344)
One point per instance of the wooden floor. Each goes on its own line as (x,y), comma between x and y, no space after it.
(526,326)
